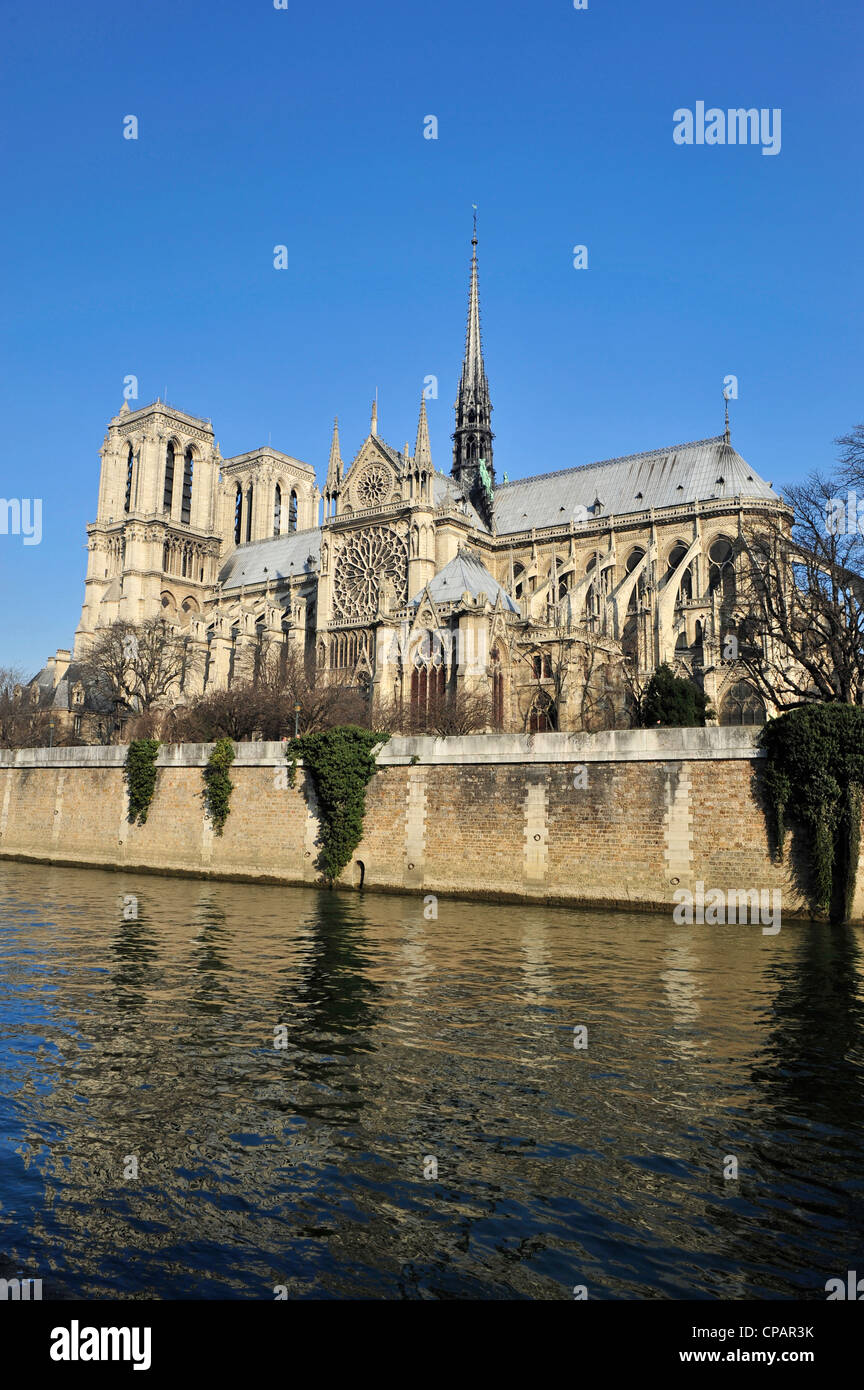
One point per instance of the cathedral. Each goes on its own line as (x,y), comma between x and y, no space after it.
(544,595)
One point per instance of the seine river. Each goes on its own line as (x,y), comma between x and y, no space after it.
(333,1095)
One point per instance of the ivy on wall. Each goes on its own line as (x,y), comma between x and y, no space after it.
(217,783)
(140,774)
(815,775)
(341,765)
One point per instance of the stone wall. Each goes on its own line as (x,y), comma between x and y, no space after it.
(619,819)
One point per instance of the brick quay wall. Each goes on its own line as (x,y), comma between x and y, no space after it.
(617,819)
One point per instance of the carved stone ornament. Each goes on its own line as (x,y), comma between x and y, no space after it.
(363,559)
(373,487)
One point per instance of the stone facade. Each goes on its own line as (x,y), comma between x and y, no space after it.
(418,584)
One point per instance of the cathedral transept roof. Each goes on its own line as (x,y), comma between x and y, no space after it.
(465,573)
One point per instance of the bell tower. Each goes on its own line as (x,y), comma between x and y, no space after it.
(154,547)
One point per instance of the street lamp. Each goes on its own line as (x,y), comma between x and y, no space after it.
(297,721)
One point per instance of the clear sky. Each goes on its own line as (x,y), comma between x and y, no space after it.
(304,127)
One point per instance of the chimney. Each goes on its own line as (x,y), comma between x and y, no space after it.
(61,665)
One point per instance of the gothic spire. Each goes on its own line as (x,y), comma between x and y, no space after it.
(334,467)
(473,370)
(472,438)
(422,451)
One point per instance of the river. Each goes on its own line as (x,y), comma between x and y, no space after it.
(217,1090)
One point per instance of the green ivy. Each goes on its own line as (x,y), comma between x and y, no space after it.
(341,765)
(140,774)
(217,784)
(814,775)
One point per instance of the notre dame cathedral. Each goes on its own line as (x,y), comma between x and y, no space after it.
(414,582)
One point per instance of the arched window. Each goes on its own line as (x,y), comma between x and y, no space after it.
(497,689)
(518,580)
(593,599)
(721,569)
(186,504)
(277,512)
(637,596)
(238,514)
(542,716)
(292,511)
(168,495)
(249,499)
(742,705)
(541,666)
(685,588)
(130,464)
(428,680)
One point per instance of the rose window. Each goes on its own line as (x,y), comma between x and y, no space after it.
(373,486)
(362,562)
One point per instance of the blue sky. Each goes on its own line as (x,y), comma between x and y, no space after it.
(304,127)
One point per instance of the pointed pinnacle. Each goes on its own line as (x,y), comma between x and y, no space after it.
(334,467)
(422,450)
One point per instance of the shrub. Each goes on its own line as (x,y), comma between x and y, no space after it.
(673,701)
(140,774)
(340,763)
(815,775)
(217,783)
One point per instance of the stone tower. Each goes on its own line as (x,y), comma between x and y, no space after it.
(154,548)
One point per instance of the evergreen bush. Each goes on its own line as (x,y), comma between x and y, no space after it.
(814,775)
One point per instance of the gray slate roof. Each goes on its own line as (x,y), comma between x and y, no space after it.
(684,473)
(280,557)
(465,573)
(444,490)
(59,697)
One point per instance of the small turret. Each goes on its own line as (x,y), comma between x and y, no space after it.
(333,485)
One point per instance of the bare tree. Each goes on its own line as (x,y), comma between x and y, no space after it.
(636,687)
(24,715)
(800,600)
(460,712)
(456,713)
(852,458)
(138,666)
(282,693)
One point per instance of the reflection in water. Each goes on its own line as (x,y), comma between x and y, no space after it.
(147,1046)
